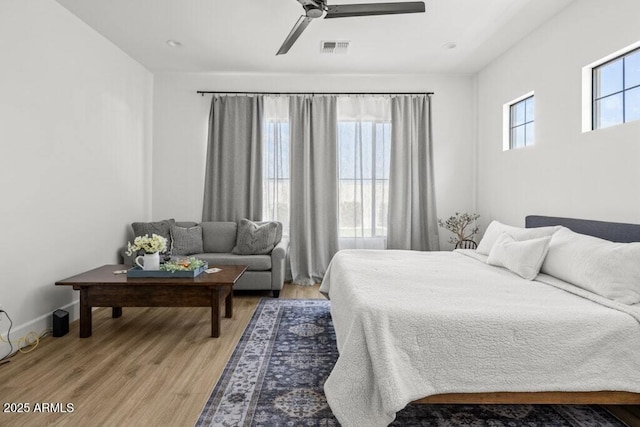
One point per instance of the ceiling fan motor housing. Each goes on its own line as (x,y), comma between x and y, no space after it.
(313,12)
(313,8)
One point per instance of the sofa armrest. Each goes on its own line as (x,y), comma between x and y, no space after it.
(278,263)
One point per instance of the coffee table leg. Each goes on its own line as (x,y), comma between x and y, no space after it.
(228,304)
(116,312)
(215,312)
(85,314)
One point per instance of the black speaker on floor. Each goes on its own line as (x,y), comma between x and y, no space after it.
(60,323)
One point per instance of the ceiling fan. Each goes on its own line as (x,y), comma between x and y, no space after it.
(316,8)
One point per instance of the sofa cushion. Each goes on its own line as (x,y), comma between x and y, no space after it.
(255,238)
(218,236)
(161,228)
(253,262)
(186,224)
(278,230)
(186,241)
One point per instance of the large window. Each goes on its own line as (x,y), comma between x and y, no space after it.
(616,91)
(363,169)
(363,149)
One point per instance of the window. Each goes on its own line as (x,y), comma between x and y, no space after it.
(363,174)
(363,150)
(275,165)
(616,91)
(518,118)
(521,121)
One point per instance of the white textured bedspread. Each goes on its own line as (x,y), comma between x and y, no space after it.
(413,324)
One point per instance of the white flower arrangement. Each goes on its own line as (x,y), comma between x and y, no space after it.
(149,245)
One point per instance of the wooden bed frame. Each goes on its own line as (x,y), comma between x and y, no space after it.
(536,398)
(615,232)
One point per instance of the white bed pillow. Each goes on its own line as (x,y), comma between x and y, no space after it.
(609,269)
(522,257)
(496,228)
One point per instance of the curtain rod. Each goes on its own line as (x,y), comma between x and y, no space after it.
(202,92)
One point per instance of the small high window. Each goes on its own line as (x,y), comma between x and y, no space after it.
(616,91)
(519,116)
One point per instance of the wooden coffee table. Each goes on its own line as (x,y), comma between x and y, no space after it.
(102,288)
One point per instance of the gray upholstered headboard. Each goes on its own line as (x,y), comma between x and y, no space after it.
(613,231)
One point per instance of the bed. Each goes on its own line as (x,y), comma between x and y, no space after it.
(446,327)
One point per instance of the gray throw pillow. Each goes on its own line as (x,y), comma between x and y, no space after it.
(161,228)
(186,241)
(255,238)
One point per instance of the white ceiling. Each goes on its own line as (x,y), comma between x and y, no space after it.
(242,36)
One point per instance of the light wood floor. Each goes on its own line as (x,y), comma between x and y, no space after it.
(151,367)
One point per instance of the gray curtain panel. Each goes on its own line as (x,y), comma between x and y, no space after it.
(233,180)
(412,207)
(314,186)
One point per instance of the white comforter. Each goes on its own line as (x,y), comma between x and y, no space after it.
(413,324)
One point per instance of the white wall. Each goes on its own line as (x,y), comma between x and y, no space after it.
(75,127)
(180,131)
(592,175)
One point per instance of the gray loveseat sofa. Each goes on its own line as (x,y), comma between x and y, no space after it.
(264,272)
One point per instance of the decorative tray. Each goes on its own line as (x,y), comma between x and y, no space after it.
(138,272)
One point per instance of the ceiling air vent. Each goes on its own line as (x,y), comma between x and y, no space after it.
(334,47)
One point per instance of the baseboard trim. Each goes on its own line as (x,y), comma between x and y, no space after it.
(36,325)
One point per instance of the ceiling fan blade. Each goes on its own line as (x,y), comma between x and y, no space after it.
(367,9)
(302,23)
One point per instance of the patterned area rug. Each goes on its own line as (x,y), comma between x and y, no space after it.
(276,373)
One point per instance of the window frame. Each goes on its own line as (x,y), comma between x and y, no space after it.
(588,87)
(623,91)
(507,143)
